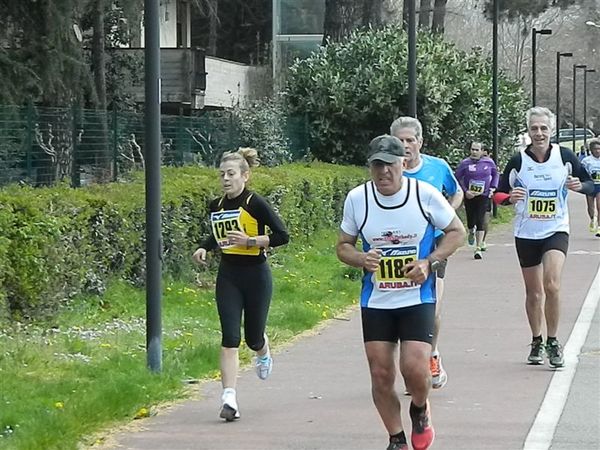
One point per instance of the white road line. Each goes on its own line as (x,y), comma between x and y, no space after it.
(543,428)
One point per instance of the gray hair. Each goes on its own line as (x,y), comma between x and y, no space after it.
(407,122)
(541,111)
(593,142)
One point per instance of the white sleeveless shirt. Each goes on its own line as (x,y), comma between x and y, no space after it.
(402,226)
(544,210)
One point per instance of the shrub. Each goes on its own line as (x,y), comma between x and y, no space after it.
(353,90)
(263,126)
(58,242)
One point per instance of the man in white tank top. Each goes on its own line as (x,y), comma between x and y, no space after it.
(536,181)
(396,218)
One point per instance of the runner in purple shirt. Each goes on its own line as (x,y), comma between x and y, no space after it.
(478,177)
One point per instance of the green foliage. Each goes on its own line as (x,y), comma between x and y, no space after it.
(353,90)
(85,370)
(44,60)
(262,126)
(122,73)
(73,240)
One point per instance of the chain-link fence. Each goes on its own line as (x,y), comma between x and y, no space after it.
(41,146)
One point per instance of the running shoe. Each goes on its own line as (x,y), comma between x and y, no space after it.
(396,445)
(263,366)
(471,237)
(483,247)
(598,232)
(439,377)
(423,433)
(555,354)
(477,254)
(229,406)
(593,226)
(536,355)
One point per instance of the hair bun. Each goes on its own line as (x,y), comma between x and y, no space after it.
(250,155)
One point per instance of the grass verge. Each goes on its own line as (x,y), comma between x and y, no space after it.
(63,381)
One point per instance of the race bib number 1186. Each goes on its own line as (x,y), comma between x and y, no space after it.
(390,275)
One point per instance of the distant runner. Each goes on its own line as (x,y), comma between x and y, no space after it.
(536,180)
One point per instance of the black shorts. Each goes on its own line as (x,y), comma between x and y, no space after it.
(595,192)
(413,323)
(475,209)
(531,251)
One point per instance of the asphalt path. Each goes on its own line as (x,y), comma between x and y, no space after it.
(318,396)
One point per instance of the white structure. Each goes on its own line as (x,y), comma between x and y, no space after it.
(230,84)
(175,24)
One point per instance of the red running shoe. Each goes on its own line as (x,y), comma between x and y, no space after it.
(423,433)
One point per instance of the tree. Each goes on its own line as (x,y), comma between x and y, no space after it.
(511,9)
(424,14)
(238,30)
(98,53)
(44,61)
(439,15)
(344,16)
(353,90)
(213,17)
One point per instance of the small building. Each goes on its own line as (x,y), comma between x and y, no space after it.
(189,79)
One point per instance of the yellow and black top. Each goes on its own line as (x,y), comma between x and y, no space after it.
(250,213)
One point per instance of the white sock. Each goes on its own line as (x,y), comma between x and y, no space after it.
(228,397)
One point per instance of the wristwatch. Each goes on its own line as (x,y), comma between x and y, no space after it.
(251,242)
(434,264)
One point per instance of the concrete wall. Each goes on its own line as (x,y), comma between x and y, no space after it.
(229,83)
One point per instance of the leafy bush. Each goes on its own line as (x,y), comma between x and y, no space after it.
(58,242)
(353,90)
(262,126)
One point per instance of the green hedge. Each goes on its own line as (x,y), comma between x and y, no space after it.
(58,242)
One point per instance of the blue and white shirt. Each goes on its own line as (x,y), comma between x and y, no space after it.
(592,165)
(403,227)
(437,172)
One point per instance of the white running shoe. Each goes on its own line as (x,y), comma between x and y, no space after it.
(229,406)
(263,366)
(439,377)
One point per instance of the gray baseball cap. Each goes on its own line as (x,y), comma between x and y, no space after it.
(385,148)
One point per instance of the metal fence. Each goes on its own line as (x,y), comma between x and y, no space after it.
(42,146)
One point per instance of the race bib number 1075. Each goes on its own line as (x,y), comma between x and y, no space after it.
(541,204)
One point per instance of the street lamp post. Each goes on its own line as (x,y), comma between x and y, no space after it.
(495,105)
(575,67)
(585,72)
(558,56)
(534,33)
(412,59)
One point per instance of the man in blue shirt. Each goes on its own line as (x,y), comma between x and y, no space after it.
(438,173)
